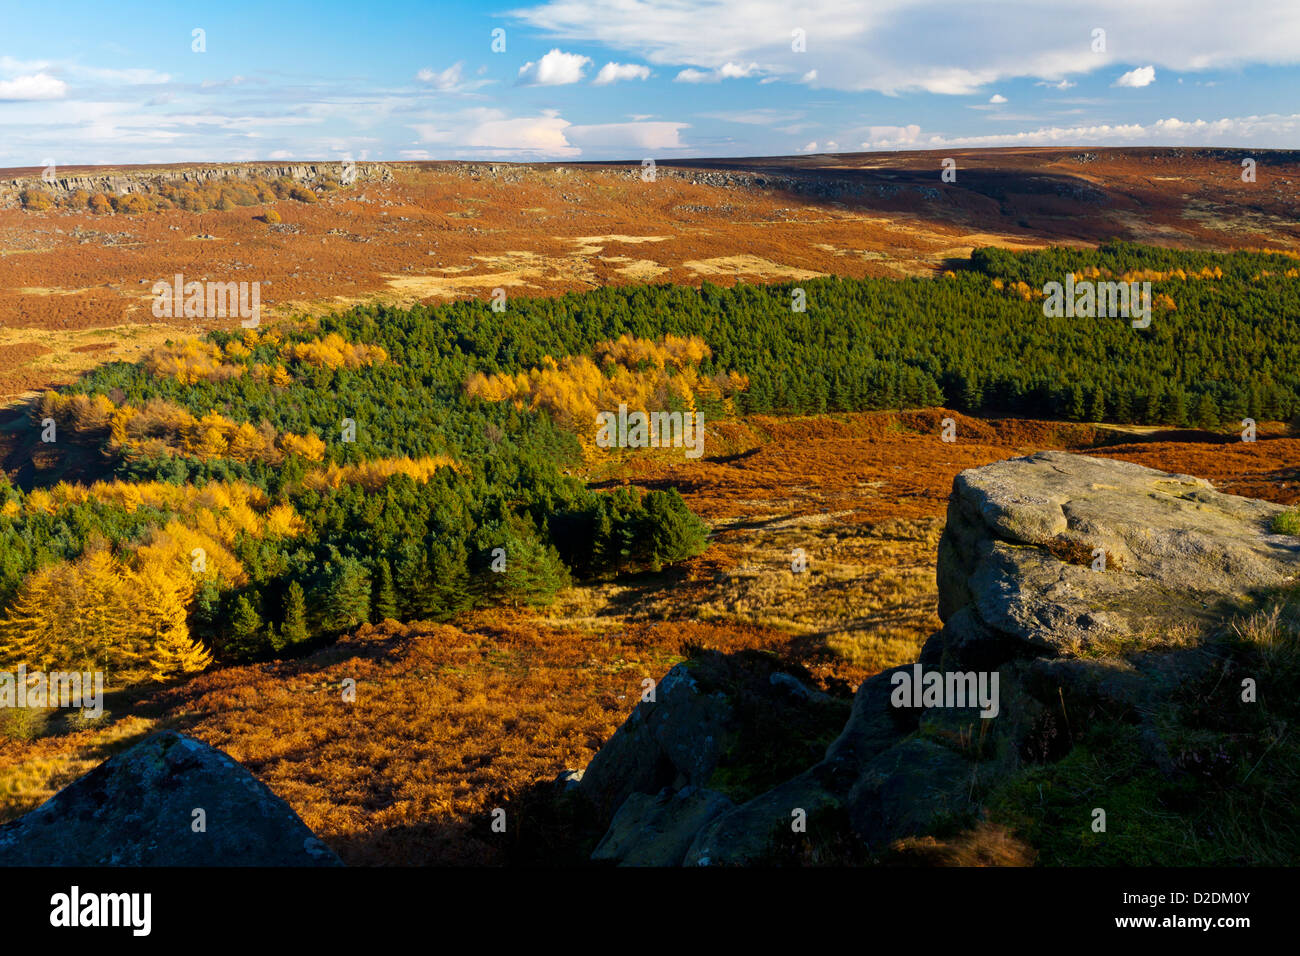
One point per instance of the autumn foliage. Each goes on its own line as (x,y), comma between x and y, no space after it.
(160,428)
(641,373)
(98,613)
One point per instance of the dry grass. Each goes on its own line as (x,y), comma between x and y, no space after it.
(453,720)
(988,844)
(32,771)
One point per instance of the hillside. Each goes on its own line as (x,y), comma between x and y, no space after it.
(75,284)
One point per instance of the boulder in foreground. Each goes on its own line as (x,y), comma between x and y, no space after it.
(139,809)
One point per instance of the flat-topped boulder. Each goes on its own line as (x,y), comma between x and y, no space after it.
(170,800)
(1063,576)
(1060,551)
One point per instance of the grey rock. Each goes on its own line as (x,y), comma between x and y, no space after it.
(568,780)
(674,740)
(908,789)
(1018,595)
(137,809)
(657,830)
(1017,550)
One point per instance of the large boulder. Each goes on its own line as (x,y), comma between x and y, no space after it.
(1062,552)
(674,740)
(1025,600)
(657,830)
(139,809)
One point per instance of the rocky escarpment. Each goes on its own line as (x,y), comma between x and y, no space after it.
(119,182)
(1067,585)
(170,800)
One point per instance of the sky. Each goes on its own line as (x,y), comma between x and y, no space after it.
(149,82)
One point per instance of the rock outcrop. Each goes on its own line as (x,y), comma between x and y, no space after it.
(170,800)
(1062,551)
(1061,579)
(120,182)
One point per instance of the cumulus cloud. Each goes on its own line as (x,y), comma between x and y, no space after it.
(485,131)
(556,68)
(40,86)
(728,71)
(1142,76)
(613,72)
(997,98)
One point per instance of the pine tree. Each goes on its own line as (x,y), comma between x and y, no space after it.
(1122,411)
(1205,414)
(1097,408)
(293,630)
(347,596)
(1176,410)
(245,637)
(1077,410)
(527,570)
(673,533)
(384,605)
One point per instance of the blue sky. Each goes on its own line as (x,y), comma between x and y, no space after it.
(92,83)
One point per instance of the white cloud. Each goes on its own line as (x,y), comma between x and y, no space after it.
(554,69)
(893,137)
(728,71)
(488,131)
(810,148)
(613,72)
(872,45)
(736,71)
(755,117)
(1271,131)
(40,86)
(997,98)
(1063,85)
(691,75)
(1142,76)
(491,132)
(447,79)
(633,137)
